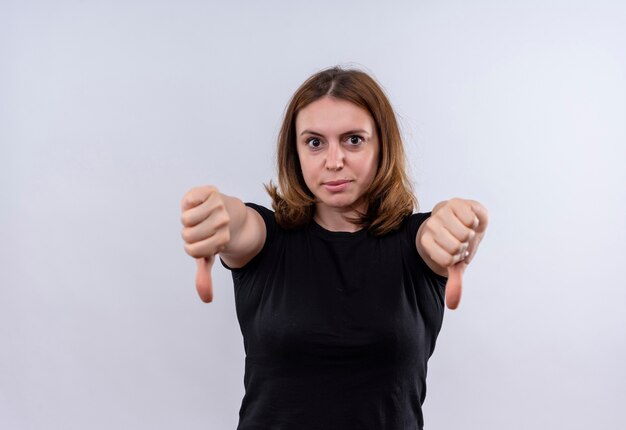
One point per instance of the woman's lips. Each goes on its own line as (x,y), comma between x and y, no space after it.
(336,186)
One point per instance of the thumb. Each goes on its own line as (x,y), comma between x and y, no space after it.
(204,283)
(454,286)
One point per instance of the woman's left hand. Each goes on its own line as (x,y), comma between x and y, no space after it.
(448,241)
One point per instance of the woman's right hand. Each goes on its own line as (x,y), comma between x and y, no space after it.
(205,232)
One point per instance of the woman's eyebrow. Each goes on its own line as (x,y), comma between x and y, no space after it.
(360,130)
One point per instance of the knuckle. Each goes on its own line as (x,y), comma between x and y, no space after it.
(186,201)
(423,240)
(470,235)
(221,239)
(186,235)
(220,220)
(455,201)
(432,224)
(191,250)
(440,204)
(209,191)
(449,260)
(185,219)
(191,199)
(485,214)
(225,219)
(220,206)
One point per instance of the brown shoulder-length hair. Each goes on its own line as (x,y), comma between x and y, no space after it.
(389,199)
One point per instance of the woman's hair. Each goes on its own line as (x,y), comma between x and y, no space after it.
(389,199)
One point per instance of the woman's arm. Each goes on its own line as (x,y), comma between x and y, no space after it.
(215,223)
(448,240)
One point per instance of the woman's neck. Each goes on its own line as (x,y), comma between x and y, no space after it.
(334,219)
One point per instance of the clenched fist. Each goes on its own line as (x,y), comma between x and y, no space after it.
(450,238)
(205,232)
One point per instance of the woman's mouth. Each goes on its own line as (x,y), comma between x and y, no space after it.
(336,186)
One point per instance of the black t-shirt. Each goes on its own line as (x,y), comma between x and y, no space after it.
(337,328)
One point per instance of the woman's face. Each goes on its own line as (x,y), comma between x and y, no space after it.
(338,150)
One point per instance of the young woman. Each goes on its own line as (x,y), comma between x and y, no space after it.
(340,289)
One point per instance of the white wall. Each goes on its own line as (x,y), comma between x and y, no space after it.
(110,111)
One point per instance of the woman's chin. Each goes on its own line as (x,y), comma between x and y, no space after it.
(338,203)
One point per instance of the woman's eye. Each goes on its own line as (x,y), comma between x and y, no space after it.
(313,142)
(355,140)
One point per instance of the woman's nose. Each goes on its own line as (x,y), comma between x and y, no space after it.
(335,157)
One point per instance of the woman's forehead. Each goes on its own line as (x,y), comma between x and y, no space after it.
(329,115)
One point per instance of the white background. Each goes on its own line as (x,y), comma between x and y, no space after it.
(110,111)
